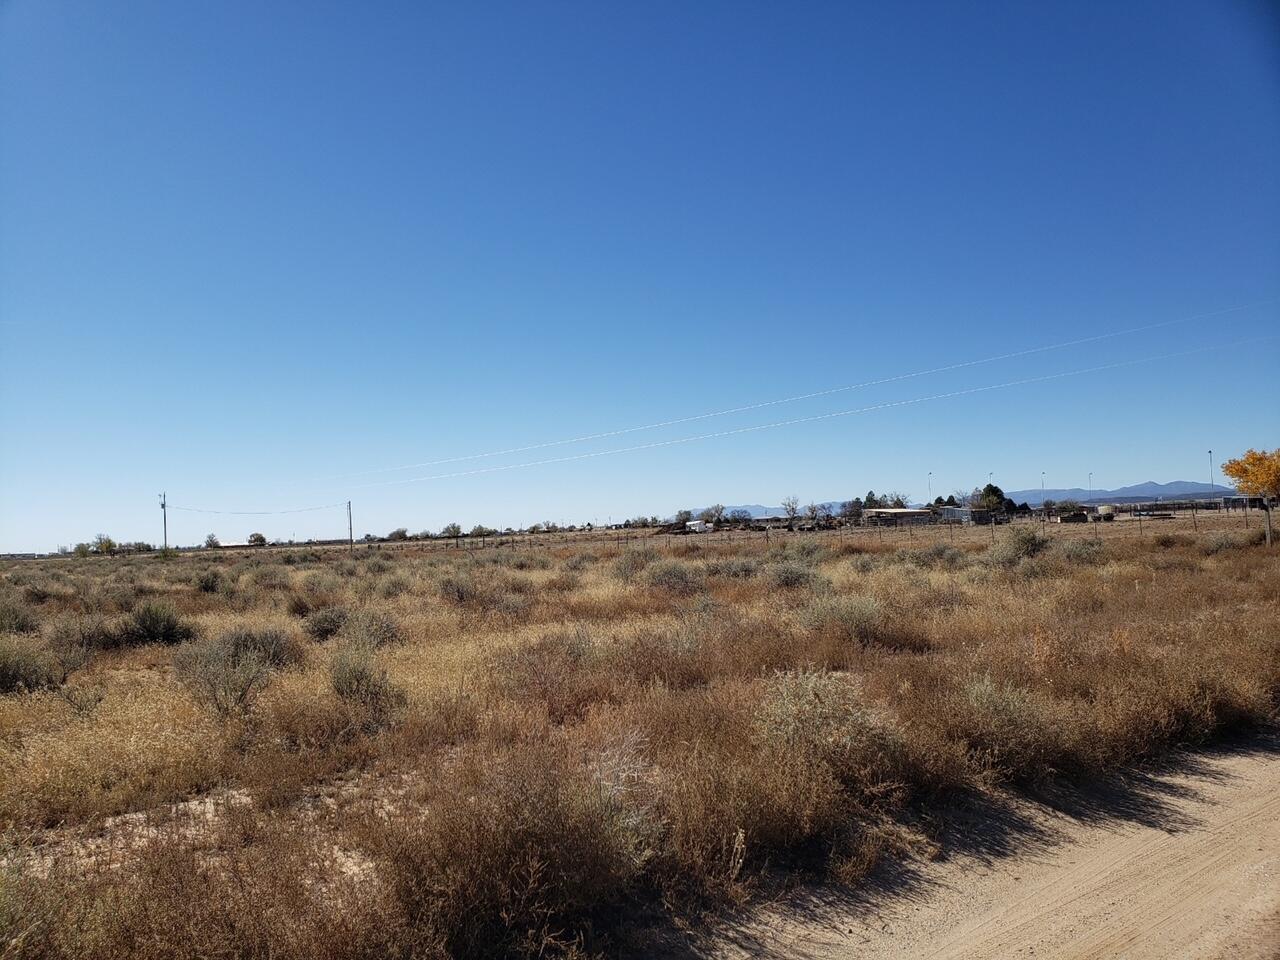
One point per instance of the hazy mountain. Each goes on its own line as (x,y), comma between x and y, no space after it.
(1138,491)
(1150,490)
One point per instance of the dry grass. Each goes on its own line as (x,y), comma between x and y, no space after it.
(513,752)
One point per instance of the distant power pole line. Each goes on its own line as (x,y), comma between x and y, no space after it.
(351,540)
(164,511)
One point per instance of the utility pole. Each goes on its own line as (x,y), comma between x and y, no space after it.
(164,511)
(1211,473)
(351,540)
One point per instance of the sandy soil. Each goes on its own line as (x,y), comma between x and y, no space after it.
(1184,862)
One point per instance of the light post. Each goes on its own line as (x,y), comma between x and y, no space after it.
(930,486)
(1044,514)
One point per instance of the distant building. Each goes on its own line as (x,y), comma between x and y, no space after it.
(966,515)
(896,516)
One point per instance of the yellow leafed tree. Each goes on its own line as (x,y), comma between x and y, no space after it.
(1257,473)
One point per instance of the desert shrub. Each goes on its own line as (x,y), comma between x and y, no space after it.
(820,715)
(535,851)
(1221,542)
(322,624)
(580,561)
(370,627)
(16,618)
(1080,551)
(359,681)
(513,606)
(298,605)
(90,632)
(26,665)
(460,588)
(736,568)
(318,583)
(630,564)
(376,565)
(392,586)
(155,623)
(562,582)
(270,577)
(674,577)
(857,619)
(940,555)
(1020,543)
(528,561)
(790,575)
(1013,732)
(1167,541)
(228,672)
(208,581)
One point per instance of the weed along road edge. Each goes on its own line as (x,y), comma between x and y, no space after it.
(1181,864)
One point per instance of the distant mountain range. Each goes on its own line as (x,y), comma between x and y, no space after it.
(1138,491)
(1150,490)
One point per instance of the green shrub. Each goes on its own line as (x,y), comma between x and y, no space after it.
(155,623)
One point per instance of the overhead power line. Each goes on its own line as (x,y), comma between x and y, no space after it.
(260,513)
(807,396)
(816,417)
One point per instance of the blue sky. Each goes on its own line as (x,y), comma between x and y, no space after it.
(249,251)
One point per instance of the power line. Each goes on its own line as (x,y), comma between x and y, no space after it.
(815,417)
(259,513)
(807,396)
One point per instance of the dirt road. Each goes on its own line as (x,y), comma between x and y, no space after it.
(1181,864)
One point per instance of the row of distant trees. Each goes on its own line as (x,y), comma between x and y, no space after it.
(1257,473)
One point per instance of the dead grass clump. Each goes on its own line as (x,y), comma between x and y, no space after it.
(266,890)
(26,665)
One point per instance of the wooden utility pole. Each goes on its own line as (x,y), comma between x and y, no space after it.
(351,540)
(164,511)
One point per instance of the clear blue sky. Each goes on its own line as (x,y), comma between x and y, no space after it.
(247,249)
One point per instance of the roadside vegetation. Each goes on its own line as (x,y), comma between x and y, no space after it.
(397,753)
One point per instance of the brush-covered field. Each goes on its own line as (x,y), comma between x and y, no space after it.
(411,753)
